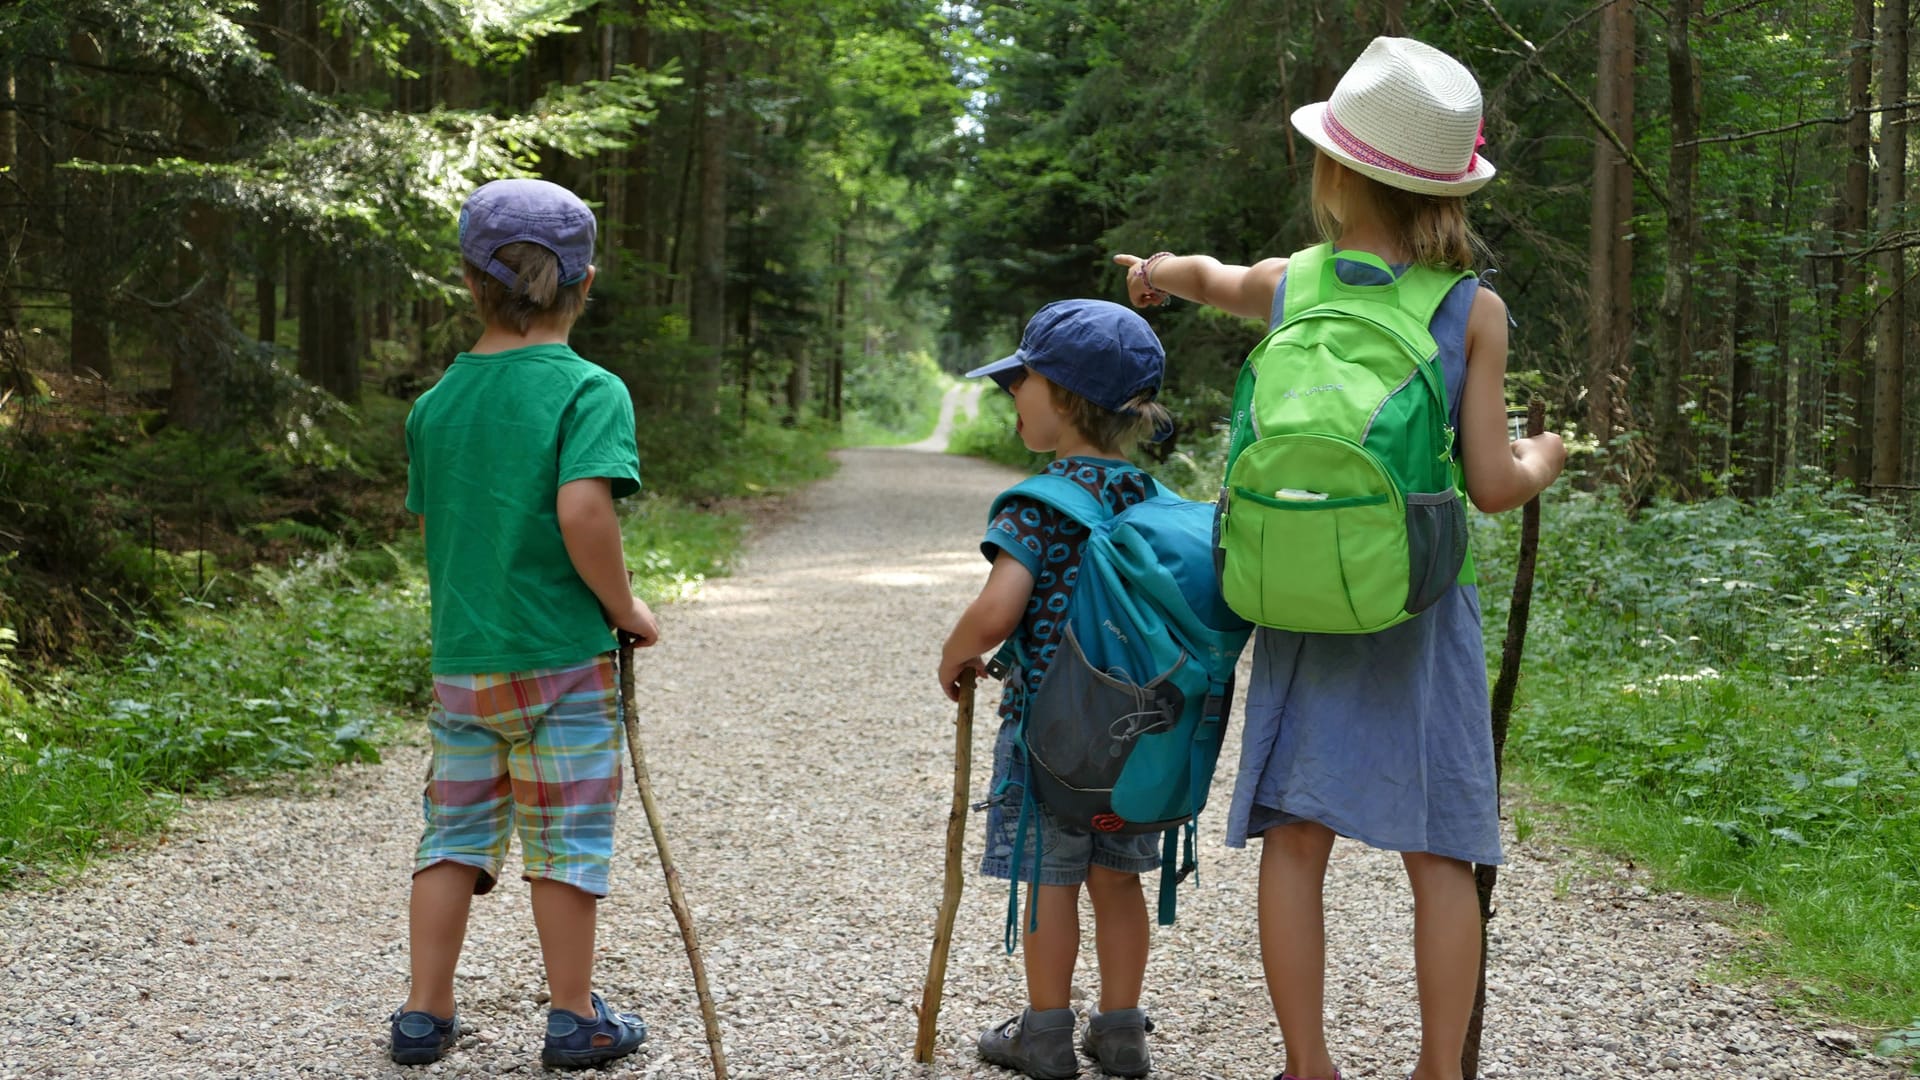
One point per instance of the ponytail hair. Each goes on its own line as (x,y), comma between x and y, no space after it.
(1433,227)
(537,295)
(1113,432)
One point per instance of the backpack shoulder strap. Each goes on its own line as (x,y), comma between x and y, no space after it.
(1312,279)
(1069,497)
(1422,289)
(1304,277)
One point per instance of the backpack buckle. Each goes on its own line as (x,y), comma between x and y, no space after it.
(1004,661)
(1216,707)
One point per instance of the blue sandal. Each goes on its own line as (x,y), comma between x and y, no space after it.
(421,1038)
(572,1038)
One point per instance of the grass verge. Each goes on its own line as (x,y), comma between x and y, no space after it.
(318,662)
(1727,694)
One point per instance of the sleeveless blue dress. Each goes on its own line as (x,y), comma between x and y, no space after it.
(1384,737)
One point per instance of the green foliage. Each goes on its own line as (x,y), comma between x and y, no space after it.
(991,434)
(317,664)
(895,396)
(228,693)
(386,188)
(10,698)
(1726,692)
(702,460)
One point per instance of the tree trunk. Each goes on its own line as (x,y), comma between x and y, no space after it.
(330,334)
(1744,436)
(1394,18)
(12,221)
(708,314)
(1890,361)
(1676,295)
(1610,249)
(83,229)
(266,306)
(798,385)
(200,341)
(1855,196)
(837,376)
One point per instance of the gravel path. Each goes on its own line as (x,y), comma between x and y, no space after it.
(802,754)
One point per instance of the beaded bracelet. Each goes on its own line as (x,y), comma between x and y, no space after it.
(1146,268)
(1142,270)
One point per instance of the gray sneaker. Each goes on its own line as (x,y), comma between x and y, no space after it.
(1117,1041)
(1039,1044)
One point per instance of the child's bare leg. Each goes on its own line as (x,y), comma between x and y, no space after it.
(565,916)
(1051,950)
(1293,946)
(436,929)
(1120,936)
(1446,956)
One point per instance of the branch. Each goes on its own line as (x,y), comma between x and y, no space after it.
(1900,241)
(162,305)
(1734,10)
(1639,168)
(1798,124)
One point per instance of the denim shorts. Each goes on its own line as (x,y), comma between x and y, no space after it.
(536,752)
(1065,852)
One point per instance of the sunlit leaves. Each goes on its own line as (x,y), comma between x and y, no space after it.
(385,187)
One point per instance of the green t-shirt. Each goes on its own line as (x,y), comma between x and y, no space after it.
(488,448)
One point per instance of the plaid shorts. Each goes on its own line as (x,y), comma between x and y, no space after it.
(540,749)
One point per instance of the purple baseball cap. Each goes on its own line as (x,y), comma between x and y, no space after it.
(1095,348)
(511,211)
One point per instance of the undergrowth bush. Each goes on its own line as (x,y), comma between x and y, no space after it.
(227,693)
(991,433)
(894,398)
(1726,692)
(717,457)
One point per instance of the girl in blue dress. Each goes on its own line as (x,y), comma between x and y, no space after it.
(1381,737)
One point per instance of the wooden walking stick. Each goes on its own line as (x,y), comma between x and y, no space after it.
(675,899)
(1484,877)
(950,897)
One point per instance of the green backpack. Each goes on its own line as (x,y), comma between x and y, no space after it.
(1343,509)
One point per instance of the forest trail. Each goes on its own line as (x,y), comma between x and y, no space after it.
(801,753)
(958,400)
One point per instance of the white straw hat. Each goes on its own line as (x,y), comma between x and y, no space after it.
(1407,115)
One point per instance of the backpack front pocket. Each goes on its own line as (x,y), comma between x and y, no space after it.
(1083,724)
(1314,538)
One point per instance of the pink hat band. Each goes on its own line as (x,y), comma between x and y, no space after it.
(1358,148)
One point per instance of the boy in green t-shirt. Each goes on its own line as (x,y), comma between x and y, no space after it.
(514,460)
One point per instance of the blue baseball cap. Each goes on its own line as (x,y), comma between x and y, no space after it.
(511,211)
(1095,348)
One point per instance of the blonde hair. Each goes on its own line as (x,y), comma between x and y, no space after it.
(1114,432)
(537,296)
(1433,227)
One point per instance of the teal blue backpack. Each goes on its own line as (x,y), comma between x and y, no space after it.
(1122,732)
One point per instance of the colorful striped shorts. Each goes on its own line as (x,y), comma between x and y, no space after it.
(540,749)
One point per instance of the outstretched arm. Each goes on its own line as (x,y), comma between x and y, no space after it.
(991,619)
(1246,291)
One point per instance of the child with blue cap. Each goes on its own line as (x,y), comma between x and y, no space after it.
(514,459)
(1083,384)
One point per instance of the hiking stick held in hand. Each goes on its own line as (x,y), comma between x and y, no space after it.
(950,898)
(1484,877)
(675,899)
